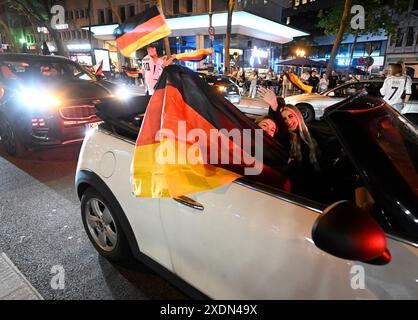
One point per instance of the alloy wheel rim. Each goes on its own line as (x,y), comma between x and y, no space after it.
(101,225)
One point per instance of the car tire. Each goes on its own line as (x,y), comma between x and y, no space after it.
(101,223)
(307,112)
(9,139)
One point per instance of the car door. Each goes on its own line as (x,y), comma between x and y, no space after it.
(412,105)
(246,243)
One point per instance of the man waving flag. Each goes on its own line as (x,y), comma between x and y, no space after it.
(138,31)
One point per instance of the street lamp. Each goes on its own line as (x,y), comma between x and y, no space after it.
(300,53)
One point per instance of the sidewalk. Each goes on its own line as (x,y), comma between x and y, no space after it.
(13,284)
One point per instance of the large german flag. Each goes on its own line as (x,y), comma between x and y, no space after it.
(189,113)
(141,30)
(295,80)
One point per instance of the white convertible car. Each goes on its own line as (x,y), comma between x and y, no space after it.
(251,241)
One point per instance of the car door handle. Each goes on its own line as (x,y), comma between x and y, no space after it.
(189,203)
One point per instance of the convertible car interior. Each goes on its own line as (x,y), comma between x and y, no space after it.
(124,118)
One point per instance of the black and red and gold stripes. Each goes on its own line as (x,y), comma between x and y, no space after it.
(182,104)
(141,30)
(196,55)
(295,80)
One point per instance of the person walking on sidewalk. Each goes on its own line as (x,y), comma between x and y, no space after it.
(253,85)
(397,88)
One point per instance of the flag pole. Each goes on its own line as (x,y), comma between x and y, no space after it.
(166,41)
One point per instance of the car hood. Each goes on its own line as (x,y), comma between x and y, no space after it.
(73,90)
(383,146)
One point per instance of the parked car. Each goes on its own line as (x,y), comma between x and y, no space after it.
(224,85)
(312,106)
(246,240)
(46,101)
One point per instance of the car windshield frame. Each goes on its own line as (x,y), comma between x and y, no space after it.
(40,68)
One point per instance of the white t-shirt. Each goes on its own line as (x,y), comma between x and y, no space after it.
(393,88)
(152,72)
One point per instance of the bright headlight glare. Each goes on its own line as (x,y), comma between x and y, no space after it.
(221,88)
(38,99)
(122,93)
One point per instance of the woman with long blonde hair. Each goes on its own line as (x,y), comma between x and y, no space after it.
(299,133)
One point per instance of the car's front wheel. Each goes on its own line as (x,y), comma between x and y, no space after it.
(307,112)
(10,140)
(101,223)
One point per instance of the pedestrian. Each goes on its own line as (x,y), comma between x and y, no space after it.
(305,77)
(313,81)
(342,80)
(397,88)
(285,86)
(333,80)
(153,67)
(253,84)
(323,83)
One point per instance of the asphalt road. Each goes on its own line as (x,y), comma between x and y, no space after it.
(41,227)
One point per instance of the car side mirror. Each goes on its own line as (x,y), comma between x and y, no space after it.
(331,94)
(346,231)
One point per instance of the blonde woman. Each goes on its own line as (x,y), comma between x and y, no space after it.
(303,147)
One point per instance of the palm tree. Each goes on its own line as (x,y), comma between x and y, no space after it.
(343,24)
(231,4)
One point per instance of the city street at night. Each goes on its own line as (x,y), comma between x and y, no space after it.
(41,227)
(206,157)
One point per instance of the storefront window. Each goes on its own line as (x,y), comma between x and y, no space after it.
(410,37)
(122,13)
(176,7)
(359,49)
(101,17)
(109,16)
(189,5)
(131,10)
(399,38)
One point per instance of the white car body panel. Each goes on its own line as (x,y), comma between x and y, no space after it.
(141,213)
(246,244)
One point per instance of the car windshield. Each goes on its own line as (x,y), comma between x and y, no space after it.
(51,70)
(349,89)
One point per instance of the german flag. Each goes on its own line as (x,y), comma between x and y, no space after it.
(175,152)
(132,73)
(196,55)
(295,80)
(141,30)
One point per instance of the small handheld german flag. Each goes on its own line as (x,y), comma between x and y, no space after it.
(144,28)
(295,80)
(196,55)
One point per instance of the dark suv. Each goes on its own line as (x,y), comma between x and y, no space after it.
(46,101)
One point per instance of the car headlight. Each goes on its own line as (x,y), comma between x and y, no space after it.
(122,93)
(37,99)
(221,88)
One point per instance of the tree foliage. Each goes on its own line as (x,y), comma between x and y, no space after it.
(379,15)
(37,13)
